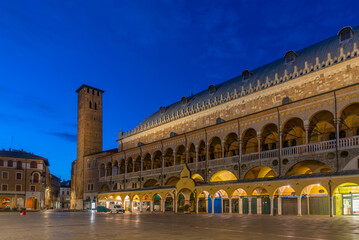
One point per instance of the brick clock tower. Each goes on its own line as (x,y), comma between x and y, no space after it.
(89,136)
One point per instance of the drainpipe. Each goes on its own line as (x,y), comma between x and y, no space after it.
(206,154)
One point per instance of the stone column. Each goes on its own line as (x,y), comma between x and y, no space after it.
(197,156)
(151,205)
(306,128)
(140,205)
(176,204)
(206,201)
(271,205)
(299,202)
(212,199)
(279,205)
(331,206)
(259,142)
(230,205)
(163,205)
(259,205)
(174,158)
(223,144)
(197,202)
(240,206)
(249,206)
(130,205)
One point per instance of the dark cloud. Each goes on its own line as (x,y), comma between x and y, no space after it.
(64,136)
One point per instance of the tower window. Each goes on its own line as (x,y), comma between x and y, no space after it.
(95,106)
(88,90)
(90,105)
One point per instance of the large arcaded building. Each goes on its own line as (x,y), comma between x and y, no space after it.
(279,139)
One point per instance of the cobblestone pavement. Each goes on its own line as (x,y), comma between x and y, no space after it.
(87,225)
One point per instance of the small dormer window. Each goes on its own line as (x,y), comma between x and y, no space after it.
(162,110)
(212,89)
(290,56)
(345,33)
(246,74)
(184,100)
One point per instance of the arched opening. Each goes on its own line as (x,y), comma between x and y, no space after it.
(269,137)
(221,203)
(260,172)
(203,202)
(321,127)
(109,169)
(308,167)
(315,200)
(293,133)
(151,183)
(32,203)
(147,162)
(215,148)
(146,203)
(240,201)
(102,170)
(172,181)
(129,165)
(191,153)
(346,199)
(250,141)
(181,202)
(138,164)
(285,201)
(157,203)
(223,176)
(105,188)
(260,203)
(115,168)
(180,155)
(169,203)
(201,152)
(349,121)
(169,158)
(122,166)
(157,160)
(231,145)
(136,203)
(126,203)
(197,178)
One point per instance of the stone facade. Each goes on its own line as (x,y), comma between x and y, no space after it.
(285,120)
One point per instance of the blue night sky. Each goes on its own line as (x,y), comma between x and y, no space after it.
(143,54)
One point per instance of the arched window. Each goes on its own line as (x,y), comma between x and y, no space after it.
(246,74)
(10,163)
(33,164)
(290,56)
(95,106)
(36,178)
(90,104)
(19,165)
(345,33)
(88,163)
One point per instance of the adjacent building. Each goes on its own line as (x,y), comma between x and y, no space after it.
(65,194)
(279,139)
(54,199)
(25,180)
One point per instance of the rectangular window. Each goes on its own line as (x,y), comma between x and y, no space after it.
(88,187)
(5,175)
(18,176)
(68,193)
(4,187)
(63,193)
(91,186)
(18,187)
(33,188)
